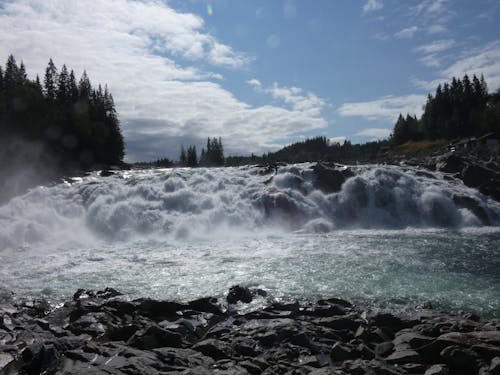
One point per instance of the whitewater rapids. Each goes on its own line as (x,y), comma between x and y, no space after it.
(390,235)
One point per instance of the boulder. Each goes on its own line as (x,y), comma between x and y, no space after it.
(472,205)
(475,175)
(495,366)
(450,163)
(330,177)
(213,348)
(439,369)
(155,337)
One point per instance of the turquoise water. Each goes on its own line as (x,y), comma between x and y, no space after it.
(452,269)
(390,237)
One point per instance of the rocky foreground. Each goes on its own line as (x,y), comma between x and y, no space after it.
(105,333)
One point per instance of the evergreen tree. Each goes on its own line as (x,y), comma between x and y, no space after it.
(183,157)
(63,91)
(50,80)
(192,159)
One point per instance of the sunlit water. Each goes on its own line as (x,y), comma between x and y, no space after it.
(390,237)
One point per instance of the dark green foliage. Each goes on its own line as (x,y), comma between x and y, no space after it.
(213,155)
(456,109)
(406,129)
(76,124)
(315,149)
(191,157)
(183,157)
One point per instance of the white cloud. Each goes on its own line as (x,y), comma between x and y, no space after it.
(340,139)
(436,46)
(372,5)
(436,29)
(481,60)
(150,55)
(375,133)
(294,97)
(406,33)
(430,60)
(386,108)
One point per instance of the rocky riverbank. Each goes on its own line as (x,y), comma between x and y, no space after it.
(106,333)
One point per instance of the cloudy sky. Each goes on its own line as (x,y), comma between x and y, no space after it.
(258,73)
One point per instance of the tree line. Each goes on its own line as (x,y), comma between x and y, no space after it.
(315,149)
(76,123)
(211,156)
(462,108)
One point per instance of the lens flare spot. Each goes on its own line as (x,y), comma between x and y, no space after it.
(210,9)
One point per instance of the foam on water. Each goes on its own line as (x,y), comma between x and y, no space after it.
(391,235)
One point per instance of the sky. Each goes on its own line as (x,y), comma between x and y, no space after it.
(258,73)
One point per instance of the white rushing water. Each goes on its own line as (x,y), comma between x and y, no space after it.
(389,236)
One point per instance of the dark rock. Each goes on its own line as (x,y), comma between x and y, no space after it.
(387,320)
(439,369)
(40,359)
(213,348)
(413,368)
(414,340)
(239,293)
(486,351)
(475,175)
(5,360)
(457,357)
(325,311)
(404,356)
(341,352)
(339,323)
(207,304)
(495,366)
(450,163)
(384,349)
(155,337)
(330,178)
(158,309)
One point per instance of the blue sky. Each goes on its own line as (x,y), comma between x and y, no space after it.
(260,74)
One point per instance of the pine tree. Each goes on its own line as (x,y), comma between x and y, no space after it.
(73,87)
(84,86)
(183,157)
(63,92)
(50,80)
(192,159)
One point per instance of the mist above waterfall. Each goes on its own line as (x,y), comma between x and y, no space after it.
(184,203)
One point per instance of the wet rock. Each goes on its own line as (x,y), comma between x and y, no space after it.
(213,348)
(341,352)
(495,366)
(384,349)
(207,304)
(404,356)
(246,295)
(439,369)
(460,358)
(155,337)
(339,323)
(414,340)
(238,293)
(387,320)
(475,175)
(472,205)
(5,360)
(159,310)
(330,177)
(450,163)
